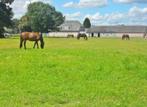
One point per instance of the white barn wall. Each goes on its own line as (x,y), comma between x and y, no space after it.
(118,34)
(62,34)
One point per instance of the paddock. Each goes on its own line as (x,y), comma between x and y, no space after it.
(68,72)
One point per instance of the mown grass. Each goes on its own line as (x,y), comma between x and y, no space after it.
(71,73)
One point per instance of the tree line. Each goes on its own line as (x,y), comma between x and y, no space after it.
(40,17)
(6,15)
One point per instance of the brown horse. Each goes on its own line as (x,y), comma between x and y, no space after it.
(31,36)
(82,35)
(125,37)
(70,36)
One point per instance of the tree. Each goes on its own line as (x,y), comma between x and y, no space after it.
(6,15)
(15,28)
(41,17)
(7,1)
(87,23)
(24,24)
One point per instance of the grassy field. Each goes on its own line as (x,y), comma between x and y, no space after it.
(71,73)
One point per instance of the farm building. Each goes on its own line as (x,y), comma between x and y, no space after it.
(72,27)
(117,31)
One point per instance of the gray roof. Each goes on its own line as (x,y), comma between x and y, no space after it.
(72,24)
(118,29)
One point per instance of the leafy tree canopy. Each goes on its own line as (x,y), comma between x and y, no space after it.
(41,17)
(6,15)
(7,1)
(87,23)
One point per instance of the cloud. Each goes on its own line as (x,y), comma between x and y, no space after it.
(136,11)
(86,3)
(112,18)
(69,4)
(73,16)
(130,1)
(20,7)
(135,16)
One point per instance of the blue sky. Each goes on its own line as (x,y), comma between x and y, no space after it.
(100,12)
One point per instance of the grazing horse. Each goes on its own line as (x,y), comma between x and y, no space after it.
(145,36)
(125,37)
(70,36)
(31,36)
(82,35)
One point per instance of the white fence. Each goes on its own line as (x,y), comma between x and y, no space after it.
(120,34)
(64,34)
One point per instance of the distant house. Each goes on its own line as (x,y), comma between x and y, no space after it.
(70,27)
(117,30)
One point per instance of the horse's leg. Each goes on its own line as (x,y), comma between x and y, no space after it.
(86,38)
(24,44)
(21,42)
(37,44)
(34,44)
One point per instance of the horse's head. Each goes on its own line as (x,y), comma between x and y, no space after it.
(41,41)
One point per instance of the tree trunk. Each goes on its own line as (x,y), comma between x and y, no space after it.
(1,33)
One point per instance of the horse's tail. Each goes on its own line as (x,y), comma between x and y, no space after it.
(41,41)
(41,36)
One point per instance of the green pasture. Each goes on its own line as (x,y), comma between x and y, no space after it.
(105,72)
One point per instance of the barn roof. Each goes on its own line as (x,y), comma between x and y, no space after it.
(118,29)
(71,23)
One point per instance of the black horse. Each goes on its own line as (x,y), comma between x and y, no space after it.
(125,37)
(82,35)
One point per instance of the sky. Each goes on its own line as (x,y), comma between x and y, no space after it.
(100,12)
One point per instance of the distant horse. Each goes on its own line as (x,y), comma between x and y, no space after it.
(125,37)
(31,36)
(70,36)
(145,36)
(82,35)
